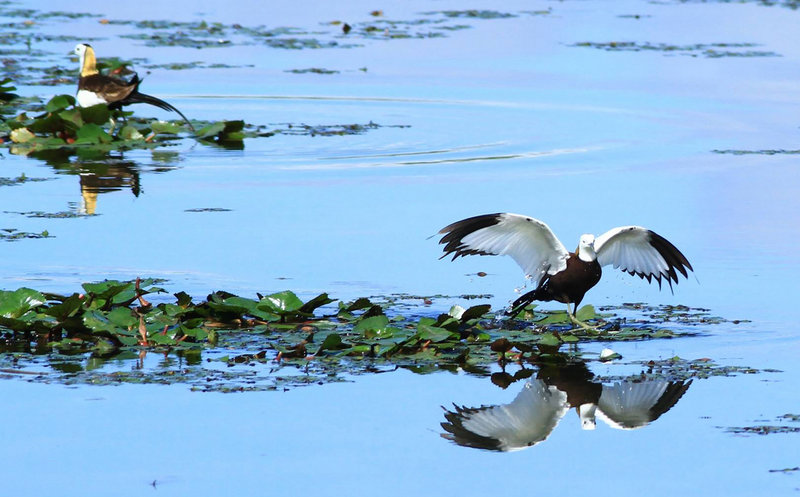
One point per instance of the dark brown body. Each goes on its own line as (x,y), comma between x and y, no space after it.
(569,286)
(112,90)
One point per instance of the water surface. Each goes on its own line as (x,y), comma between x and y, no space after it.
(504,115)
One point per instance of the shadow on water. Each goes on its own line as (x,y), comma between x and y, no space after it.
(626,404)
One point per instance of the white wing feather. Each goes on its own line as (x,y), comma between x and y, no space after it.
(642,252)
(530,242)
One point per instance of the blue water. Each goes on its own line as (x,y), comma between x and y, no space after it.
(503,116)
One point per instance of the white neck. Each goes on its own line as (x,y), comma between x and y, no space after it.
(585,250)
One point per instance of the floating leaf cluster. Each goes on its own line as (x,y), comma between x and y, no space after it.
(19,180)
(13,235)
(768,429)
(319,339)
(710,50)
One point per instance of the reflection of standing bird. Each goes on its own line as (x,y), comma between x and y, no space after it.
(526,421)
(557,273)
(538,408)
(95,88)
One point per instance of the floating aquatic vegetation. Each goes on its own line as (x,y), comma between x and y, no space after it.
(7,90)
(20,180)
(313,70)
(325,129)
(680,368)
(710,50)
(472,14)
(322,338)
(778,151)
(51,215)
(181,66)
(208,209)
(789,4)
(13,235)
(764,429)
(66,125)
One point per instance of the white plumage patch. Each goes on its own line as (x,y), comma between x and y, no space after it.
(87,98)
(642,252)
(530,242)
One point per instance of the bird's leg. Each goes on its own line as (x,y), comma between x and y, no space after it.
(575,320)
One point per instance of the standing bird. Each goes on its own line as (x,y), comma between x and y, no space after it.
(558,274)
(95,88)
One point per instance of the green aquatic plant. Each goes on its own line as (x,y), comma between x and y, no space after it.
(709,50)
(63,124)
(298,341)
(362,327)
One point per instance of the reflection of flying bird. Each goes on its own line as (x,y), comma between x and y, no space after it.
(557,273)
(537,409)
(527,420)
(95,88)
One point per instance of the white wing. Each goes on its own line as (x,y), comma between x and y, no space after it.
(627,405)
(530,242)
(642,252)
(527,420)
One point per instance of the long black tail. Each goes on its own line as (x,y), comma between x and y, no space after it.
(526,299)
(139,97)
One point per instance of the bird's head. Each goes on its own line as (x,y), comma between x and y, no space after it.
(585,250)
(87,60)
(587,415)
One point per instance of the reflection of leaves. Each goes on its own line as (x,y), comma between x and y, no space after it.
(12,235)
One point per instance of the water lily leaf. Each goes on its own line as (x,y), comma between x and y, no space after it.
(356,305)
(371,326)
(72,118)
(197,334)
(456,311)
(432,333)
(555,317)
(282,303)
(549,339)
(165,127)
(22,135)
(59,102)
(13,304)
(225,131)
(92,134)
(6,85)
(52,123)
(241,305)
(211,130)
(318,301)
(97,114)
(66,309)
(475,312)
(586,313)
(129,132)
(332,342)
(122,317)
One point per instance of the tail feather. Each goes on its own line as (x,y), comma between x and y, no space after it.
(143,98)
(525,300)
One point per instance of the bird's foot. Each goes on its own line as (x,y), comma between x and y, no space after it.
(583,325)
